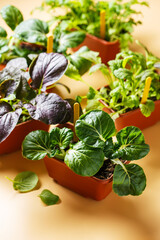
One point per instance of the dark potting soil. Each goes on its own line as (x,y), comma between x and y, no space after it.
(106,171)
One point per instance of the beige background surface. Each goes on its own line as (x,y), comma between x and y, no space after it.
(23,216)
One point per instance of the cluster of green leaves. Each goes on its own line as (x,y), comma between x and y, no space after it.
(85,15)
(127,76)
(95,131)
(29,39)
(20,100)
(27,181)
(31,31)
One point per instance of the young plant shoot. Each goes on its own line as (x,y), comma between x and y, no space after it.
(84,16)
(94,149)
(21,101)
(127,76)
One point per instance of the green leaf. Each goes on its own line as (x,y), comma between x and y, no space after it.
(94,127)
(147,108)
(129,179)
(3,43)
(131,101)
(3,32)
(12,16)
(91,56)
(72,72)
(115,64)
(36,145)
(81,63)
(48,197)
(130,144)
(122,73)
(25,181)
(61,137)
(100,66)
(84,160)
(70,40)
(91,93)
(33,31)
(108,148)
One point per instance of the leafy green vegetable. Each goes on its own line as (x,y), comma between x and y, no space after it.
(130,141)
(33,31)
(129,179)
(29,36)
(70,40)
(11,15)
(3,33)
(25,181)
(126,75)
(147,108)
(84,160)
(48,197)
(85,16)
(36,145)
(96,147)
(79,62)
(94,127)
(61,137)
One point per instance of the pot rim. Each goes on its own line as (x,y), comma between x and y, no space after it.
(105,42)
(95,178)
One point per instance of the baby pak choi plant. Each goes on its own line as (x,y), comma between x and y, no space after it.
(95,149)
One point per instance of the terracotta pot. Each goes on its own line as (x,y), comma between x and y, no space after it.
(136,118)
(90,187)
(107,50)
(14,140)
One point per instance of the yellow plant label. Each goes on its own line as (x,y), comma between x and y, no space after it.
(102,24)
(50,44)
(146,89)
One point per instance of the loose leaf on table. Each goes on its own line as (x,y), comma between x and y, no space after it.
(70,40)
(25,181)
(8,120)
(48,197)
(32,31)
(36,145)
(61,137)
(130,144)
(94,127)
(3,32)
(49,108)
(47,69)
(12,16)
(84,160)
(129,179)
(147,108)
